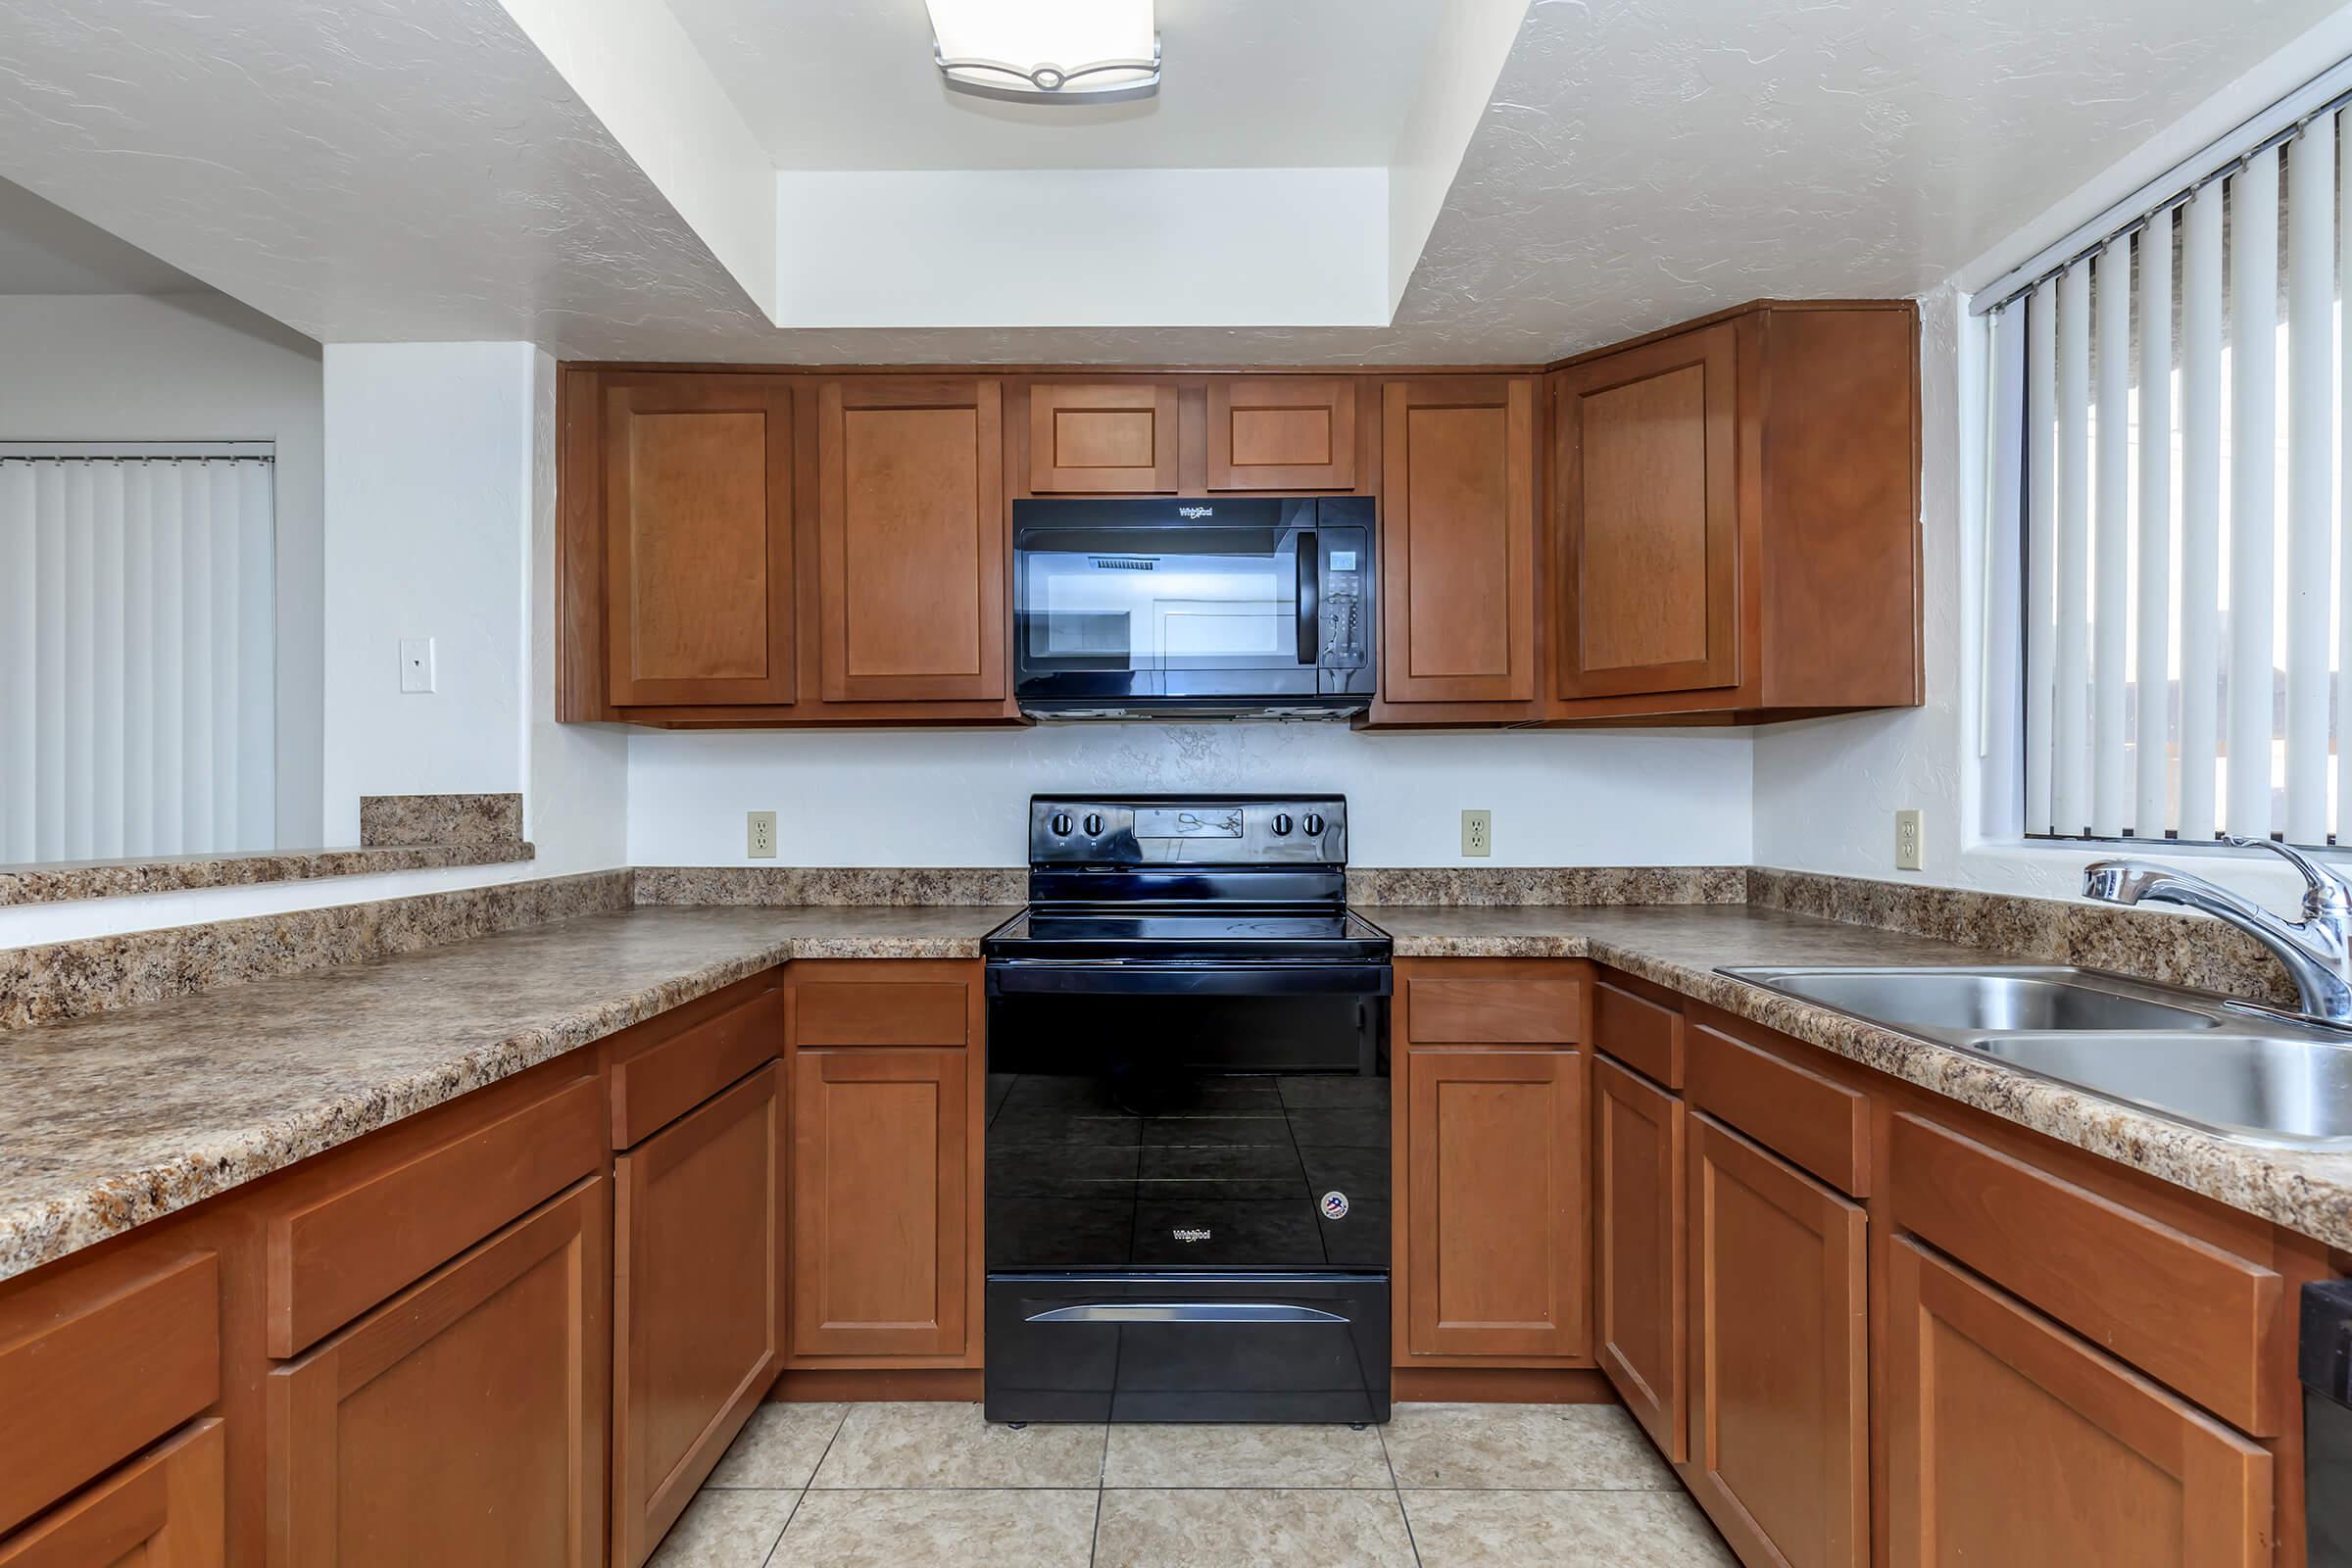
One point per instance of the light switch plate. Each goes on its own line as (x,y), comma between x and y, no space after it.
(1478,833)
(760,835)
(1910,835)
(417,664)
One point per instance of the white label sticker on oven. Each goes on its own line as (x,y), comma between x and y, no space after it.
(1335,1205)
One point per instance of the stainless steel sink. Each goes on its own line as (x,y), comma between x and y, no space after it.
(1965,1000)
(2244,1071)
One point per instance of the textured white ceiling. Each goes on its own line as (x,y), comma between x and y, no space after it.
(46,250)
(1245,84)
(417,171)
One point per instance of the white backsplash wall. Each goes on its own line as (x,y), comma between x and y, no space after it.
(958,798)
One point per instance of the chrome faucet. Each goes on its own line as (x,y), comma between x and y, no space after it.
(2316,952)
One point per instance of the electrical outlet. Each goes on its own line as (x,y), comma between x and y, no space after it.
(416,663)
(1910,835)
(760,835)
(1478,833)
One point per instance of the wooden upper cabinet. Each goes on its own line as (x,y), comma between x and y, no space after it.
(1779,1438)
(697,483)
(1733,517)
(1648,541)
(1458,540)
(1494,1174)
(2010,1441)
(1280,432)
(911,539)
(1103,437)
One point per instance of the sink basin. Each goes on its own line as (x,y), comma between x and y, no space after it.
(1957,1001)
(2242,1071)
(2272,1087)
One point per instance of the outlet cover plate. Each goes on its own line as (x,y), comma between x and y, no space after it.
(1477,834)
(417,672)
(760,835)
(1910,835)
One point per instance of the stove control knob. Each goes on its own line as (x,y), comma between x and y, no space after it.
(1060,825)
(1093,824)
(1313,824)
(1282,824)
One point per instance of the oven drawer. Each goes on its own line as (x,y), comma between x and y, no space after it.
(1179,1347)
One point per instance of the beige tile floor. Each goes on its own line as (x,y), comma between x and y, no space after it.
(1441,1485)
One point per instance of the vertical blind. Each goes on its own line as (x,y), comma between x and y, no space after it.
(2186,593)
(136,655)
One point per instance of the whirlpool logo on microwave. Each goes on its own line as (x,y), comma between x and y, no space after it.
(1195,512)
(1191,1233)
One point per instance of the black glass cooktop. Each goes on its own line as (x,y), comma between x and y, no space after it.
(1164,935)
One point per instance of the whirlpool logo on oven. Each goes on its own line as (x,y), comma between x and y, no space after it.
(1191,1233)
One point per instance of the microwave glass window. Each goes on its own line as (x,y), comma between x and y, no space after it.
(1160,612)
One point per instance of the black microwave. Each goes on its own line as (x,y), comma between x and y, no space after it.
(1256,608)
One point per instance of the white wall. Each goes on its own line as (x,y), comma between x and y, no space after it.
(194,368)
(905,798)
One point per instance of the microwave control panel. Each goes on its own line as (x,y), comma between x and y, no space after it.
(1343,610)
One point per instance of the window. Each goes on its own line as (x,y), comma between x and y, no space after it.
(2171,403)
(137,652)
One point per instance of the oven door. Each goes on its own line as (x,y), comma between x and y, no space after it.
(1129,603)
(1202,1120)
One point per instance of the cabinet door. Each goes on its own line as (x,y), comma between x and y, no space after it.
(1280,432)
(881,1181)
(1495,1193)
(2012,1442)
(163,1510)
(698,1314)
(1457,547)
(698,538)
(1638,1251)
(462,1422)
(1779,1436)
(1647,518)
(910,540)
(1109,438)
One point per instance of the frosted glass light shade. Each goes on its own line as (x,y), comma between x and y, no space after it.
(1034,50)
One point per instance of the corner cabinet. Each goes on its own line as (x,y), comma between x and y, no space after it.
(1735,519)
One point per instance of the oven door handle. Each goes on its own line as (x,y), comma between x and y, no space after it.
(1083,977)
(1310,594)
(1186,1313)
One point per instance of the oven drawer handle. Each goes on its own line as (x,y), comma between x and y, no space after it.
(1188,1312)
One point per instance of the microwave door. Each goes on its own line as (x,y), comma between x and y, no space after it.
(1189,612)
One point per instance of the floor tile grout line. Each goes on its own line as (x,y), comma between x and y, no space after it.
(1398,1491)
(777,1545)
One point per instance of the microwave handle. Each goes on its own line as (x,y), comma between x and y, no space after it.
(1310,589)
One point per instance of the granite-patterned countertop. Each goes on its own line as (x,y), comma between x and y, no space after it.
(1679,947)
(122,1117)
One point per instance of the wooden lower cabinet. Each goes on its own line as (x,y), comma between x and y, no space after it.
(2012,1442)
(698,1299)
(1779,1454)
(463,1422)
(166,1509)
(885,1184)
(1640,1322)
(1495,1180)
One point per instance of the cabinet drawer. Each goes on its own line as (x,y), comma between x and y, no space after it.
(1638,1032)
(336,1253)
(1532,1004)
(168,1511)
(2179,1309)
(667,1067)
(845,1007)
(1797,1113)
(97,1363)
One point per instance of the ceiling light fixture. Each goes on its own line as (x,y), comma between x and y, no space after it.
(1048,51)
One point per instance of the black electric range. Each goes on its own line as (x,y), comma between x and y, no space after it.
(1187,1195)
